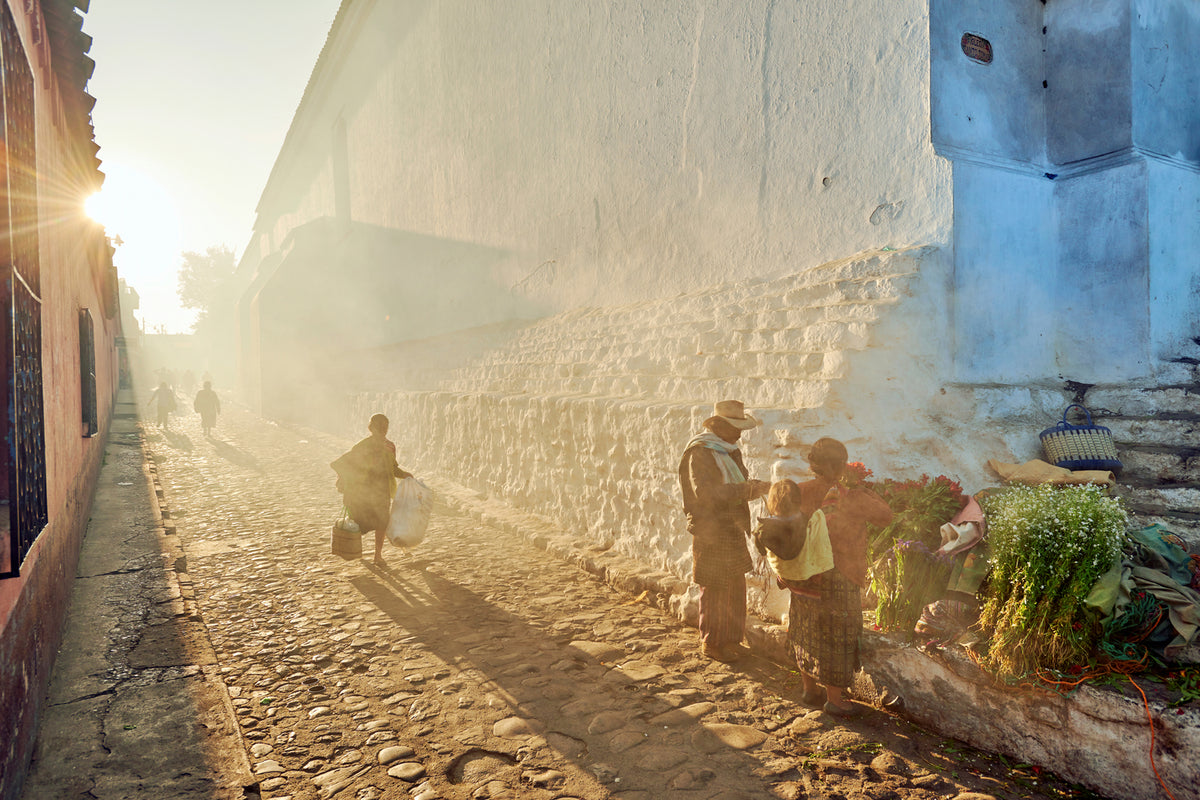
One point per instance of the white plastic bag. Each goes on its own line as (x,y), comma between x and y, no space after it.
(411,507)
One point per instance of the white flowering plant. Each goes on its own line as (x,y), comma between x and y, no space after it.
(1049,546)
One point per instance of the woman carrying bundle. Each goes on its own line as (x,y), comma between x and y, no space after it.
(825,614)
(367,477)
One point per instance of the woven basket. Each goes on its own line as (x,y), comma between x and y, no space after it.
(1077,447)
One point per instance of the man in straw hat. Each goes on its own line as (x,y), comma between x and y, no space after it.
(716,499)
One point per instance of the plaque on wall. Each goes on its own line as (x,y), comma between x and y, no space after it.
(977,48)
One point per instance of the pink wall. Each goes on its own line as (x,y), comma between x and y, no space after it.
(75,274)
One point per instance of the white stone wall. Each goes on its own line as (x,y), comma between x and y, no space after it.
(674,192)
(623,151)
(581,417)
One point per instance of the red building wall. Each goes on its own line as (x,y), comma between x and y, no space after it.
(75,268)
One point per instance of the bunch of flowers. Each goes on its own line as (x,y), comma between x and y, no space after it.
(856,473)
(1049,546)
(920,507)
(907,570)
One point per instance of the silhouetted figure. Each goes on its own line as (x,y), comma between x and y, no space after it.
(164,396)
(716,496)
(367,480)
(207,405)
(188,382)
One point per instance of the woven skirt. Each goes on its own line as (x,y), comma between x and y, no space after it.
(824,631)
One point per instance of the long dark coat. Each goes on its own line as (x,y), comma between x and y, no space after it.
(207,405)
(718,516)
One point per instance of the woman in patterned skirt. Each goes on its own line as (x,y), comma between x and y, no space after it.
(825,615)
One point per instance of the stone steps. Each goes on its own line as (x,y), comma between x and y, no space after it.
(1157,433)
(774,343)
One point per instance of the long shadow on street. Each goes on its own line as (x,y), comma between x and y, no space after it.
(592,714)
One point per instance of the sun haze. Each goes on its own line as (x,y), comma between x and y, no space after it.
(192,104)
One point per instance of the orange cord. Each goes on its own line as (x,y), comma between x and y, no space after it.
(1126,669)
(1150,719)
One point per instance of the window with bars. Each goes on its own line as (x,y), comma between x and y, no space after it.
(87,374)
(24,455)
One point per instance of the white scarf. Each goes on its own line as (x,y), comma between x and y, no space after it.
(722,452)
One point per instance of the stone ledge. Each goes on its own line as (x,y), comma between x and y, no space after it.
(1097,738)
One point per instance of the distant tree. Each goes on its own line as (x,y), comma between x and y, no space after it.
(207,285)
(204,280)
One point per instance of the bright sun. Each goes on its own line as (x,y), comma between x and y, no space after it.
(137,208)
(140,218)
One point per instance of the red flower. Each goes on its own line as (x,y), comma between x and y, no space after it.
(859,470)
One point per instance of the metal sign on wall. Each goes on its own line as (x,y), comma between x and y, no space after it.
(976,48)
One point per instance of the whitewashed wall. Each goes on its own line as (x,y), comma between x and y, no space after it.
(676,192)
(581,417)
(679,190)
(622,151)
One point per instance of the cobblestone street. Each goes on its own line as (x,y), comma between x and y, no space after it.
(482,667)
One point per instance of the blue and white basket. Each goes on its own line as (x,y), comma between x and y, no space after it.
(1078,447)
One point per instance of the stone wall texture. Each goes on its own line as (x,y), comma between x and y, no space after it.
(1096,736)
(580,417)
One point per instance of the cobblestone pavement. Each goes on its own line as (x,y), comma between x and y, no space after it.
(481,667)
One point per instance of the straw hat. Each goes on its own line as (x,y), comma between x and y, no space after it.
(733,412)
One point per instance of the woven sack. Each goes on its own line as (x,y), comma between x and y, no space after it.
(1079,447)
(783,536)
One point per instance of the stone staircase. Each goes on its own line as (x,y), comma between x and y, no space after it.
(1157,432)
(775,343)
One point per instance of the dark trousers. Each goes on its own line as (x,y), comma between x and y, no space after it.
(723,613)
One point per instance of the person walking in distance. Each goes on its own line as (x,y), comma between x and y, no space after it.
(164,397)
(207,405)
(367,476)
(716,499)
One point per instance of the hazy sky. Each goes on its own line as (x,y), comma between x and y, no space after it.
(193,99)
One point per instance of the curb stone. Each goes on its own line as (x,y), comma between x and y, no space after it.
(135,698)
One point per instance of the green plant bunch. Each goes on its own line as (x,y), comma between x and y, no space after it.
(907,571)
(904,580)
(1049,546)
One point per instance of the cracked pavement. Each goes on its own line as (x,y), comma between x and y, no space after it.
(135,708)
